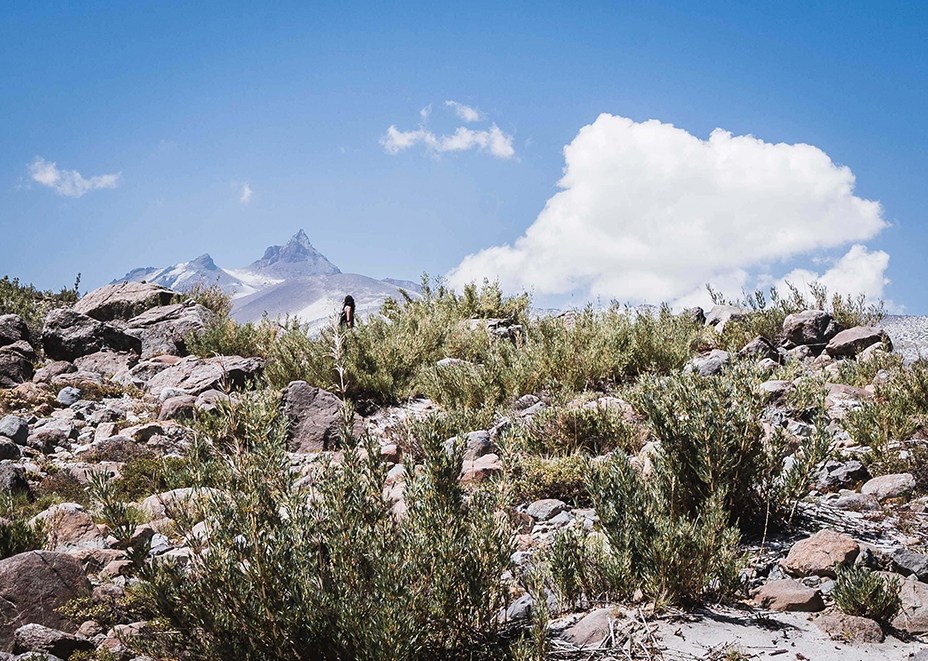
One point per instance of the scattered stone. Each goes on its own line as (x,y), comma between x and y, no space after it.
(123,300)
(849,628)
(852,341)
(811,327)
(38,638)
(547,508)
(314,415)
(209,400)
(16,364)
(196,375)
(178,407)
(170,503)
(708,364)
(591,630)
(476,444)
(33,586)
(482,468)
(163,330)
(838,474)
(817,555)
(913,617)
(788,595)
(69,527)
(12,480)
(68,335)
(9,449)
(895,485)
(68,395)
(53,369)
(857,502)
(759,348)
(106,363)
(13,329)
(14,428)
(910,563)
(454,362)
(46,439)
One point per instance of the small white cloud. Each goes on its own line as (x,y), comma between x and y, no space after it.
(425,112)
(246,194)
(650,213)
(495,141)
(466,113)
(69,182)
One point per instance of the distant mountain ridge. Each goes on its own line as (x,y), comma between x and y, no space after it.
(294,279)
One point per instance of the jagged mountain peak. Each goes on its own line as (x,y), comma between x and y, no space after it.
(296,258)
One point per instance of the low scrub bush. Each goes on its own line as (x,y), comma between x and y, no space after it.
(333,575)
(17,536)
(533,478)
(565,430)
(859,591)
(209,296)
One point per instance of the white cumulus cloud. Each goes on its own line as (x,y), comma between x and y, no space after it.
(246,194)
(69,182)
(495,141)
(650,213)
(466,113)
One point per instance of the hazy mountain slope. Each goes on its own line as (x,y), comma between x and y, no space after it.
(314,298)
(202,270)
(295,259)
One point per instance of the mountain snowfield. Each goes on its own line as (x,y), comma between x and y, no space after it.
(294,279)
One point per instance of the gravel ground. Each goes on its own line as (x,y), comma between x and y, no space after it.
(909,334)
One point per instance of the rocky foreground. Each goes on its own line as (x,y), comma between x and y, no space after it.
(115,384)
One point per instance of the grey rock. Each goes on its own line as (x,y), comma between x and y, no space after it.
(775,388)
(209,400)
(314,416)
(123,300)
(12,480)
(889,486)
(15,428)
(68,334)
(909,563)
(759,348)
(9,449)
(709,364)
(68,395)
(545,509)
(163,330)
(16,364)
(197,375)
(837,474)
(808,327)
(697,315)
(852,341)
(106,363)
(47,438)
(856,502)
(13,329)
(33,586)
(178,407)
(53,369)
(476,444)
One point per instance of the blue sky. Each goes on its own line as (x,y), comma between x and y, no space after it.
(190,102)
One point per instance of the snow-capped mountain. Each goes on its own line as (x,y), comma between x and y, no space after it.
(294,279)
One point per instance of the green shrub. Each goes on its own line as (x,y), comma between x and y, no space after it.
(711,439)
(291,577)
(17,536)
(533,478)
(210,296)
(859,591)
(223,337)
(569,429)
(672,555)
(32,304)
(583,570)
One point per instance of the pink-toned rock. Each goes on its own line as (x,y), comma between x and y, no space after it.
(817,555)
(482,468)
(889,486)
(849,628)
(914,614)
(788,595)
(69,527)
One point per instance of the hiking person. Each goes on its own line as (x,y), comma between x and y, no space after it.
(347,316)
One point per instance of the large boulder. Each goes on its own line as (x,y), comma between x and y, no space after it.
(44,640)
(13,480)
(849,628)
(196,375)
(913,617)
(12,329)
(819,554)
(163,329)
(68,334)
(314,417)
(123,300)
(105,363)
(55,368)
(33,586)
(852,341)
(69,527)
(894,485)
(758,349)
(15,428)
(811,327)
(16,363)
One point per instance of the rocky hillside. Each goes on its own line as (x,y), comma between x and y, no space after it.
(461,480)
(293,279)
